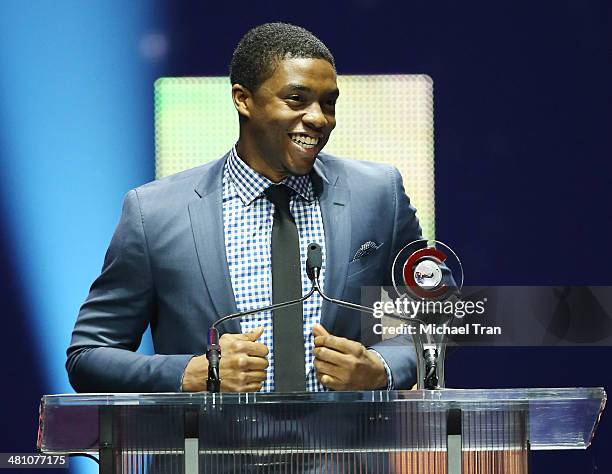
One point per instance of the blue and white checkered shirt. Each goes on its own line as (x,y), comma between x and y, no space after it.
(247,223)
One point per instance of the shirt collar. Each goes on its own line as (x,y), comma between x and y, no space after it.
(249,184)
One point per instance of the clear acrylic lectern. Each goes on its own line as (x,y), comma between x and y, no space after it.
(441,431)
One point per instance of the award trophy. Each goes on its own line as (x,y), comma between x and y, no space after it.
(428,275)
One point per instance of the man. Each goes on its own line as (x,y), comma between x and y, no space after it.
(198,245)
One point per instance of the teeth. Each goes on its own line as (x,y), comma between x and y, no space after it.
(304,140)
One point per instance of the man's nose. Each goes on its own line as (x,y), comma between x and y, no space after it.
(314,117)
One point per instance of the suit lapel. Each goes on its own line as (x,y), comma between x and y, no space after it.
(206,214)
(335,203)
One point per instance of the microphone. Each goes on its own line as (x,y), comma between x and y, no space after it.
(314,262)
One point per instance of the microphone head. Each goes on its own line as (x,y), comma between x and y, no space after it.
(314,260)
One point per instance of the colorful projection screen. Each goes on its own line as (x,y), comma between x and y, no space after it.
(383,118)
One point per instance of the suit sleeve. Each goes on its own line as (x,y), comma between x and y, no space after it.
(120,305)
(398,352)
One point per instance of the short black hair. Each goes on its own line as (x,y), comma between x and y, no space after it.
(263,47)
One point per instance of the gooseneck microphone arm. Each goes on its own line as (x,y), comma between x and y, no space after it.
(430,354)
(314,262)
(313,269)
(265,308)
(346,304)
(213,351)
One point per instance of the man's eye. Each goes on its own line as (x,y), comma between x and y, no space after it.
(295,98)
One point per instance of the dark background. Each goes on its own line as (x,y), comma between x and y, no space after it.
(522,127)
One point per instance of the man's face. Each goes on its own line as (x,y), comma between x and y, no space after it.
(291,116)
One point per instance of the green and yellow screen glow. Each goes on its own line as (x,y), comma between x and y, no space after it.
(382,118)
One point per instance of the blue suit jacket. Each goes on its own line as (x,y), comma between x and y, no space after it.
(166,267)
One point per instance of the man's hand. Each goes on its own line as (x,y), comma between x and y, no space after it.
(243,365)
(343,364)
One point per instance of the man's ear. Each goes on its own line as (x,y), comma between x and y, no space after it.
(243,100)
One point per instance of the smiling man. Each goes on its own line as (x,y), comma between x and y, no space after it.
(231,236)
(286,121)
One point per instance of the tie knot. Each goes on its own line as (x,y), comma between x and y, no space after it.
(279,195)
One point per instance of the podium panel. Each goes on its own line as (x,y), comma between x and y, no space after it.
(442,431)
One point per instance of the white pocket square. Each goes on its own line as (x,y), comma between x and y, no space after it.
(367,248)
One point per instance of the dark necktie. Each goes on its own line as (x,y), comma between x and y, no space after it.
(288,323)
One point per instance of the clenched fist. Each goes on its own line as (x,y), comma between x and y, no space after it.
(243,364)
(342,364)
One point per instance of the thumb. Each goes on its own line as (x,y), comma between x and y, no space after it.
(255,334)
(319,330)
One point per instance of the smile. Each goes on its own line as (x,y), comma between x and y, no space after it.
(304,140)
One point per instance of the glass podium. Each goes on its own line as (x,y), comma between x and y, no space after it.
(446,431)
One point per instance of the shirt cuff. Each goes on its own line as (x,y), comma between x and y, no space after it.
(387,369)
(180,387)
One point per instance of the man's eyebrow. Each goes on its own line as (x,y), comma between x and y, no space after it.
(296,87)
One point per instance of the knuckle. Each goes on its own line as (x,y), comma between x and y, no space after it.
(242,362)
(239,346)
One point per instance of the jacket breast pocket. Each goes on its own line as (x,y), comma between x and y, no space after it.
(366,264)
(364,273)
